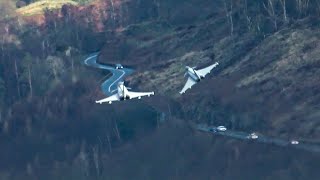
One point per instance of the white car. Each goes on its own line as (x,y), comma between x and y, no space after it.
(118,66)
(253,136)
(294,142)
(221,128)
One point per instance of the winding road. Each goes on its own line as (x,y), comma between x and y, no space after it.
(262,139)
(109,86)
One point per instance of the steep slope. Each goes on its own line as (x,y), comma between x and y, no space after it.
(252,69)
(40,6)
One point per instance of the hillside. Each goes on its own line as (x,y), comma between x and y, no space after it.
(40,6)
(266,82)
(252,69)
(281,66)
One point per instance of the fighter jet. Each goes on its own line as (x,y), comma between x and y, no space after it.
(124,94)
(195,76)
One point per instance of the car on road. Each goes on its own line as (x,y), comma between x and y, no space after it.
(253,136)
(221,128)
(213,129)
(118,66)
(217,129)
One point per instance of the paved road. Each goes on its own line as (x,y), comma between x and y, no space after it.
(262,139)
(109,86)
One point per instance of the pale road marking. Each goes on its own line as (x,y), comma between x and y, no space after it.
(86,61)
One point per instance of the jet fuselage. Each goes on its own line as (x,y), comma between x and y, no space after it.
(122,91)
(193,74)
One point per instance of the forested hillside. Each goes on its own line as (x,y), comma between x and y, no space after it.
(267,81)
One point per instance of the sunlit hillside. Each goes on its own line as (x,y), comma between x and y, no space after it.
(40,6)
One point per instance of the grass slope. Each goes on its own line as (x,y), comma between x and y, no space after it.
(40,6)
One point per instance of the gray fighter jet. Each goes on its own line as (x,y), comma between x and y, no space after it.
(124,94)
(195,76)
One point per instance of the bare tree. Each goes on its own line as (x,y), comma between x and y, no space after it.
(17,77)
(113,14)
(30,80)
(27,64)
(2,46)
(169,112)
(117,130)
(57,66)
(302,6)
(83,159)
(69,54)
(270,8)
(246,14)
(318,7)
(229,12)
(109,143)
(157,4)
(284,9)
(95,151)
(158,121)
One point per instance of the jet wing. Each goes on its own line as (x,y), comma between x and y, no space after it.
(188,85)
(109,99)
(203,72)
(138,94)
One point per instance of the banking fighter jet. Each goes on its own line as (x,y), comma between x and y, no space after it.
(195,76)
